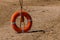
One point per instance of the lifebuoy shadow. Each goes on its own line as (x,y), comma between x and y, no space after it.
(36,31)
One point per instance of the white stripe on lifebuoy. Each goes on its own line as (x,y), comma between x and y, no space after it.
(13,22)
(29,20)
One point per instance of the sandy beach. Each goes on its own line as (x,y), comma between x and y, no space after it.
(45,16)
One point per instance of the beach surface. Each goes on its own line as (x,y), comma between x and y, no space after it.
(45,16)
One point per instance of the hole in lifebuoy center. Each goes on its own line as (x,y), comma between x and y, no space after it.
(21,24)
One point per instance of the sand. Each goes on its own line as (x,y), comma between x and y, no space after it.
(45,16)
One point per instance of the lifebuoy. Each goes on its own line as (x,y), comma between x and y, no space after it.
(13,21)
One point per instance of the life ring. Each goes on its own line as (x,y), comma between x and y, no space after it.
(27,27)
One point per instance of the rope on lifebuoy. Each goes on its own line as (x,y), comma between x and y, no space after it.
(29,22)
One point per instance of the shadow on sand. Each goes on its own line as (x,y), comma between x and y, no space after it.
(34,31)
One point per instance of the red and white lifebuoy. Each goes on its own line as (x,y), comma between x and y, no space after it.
(27,27)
